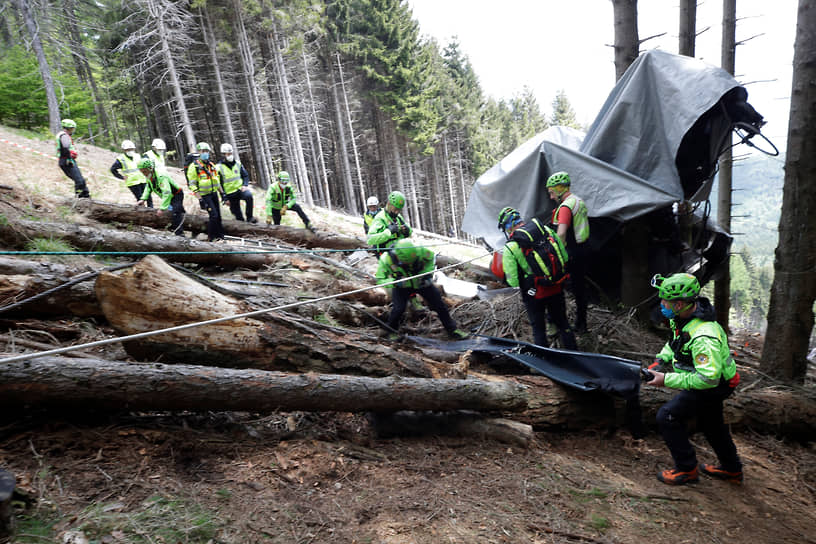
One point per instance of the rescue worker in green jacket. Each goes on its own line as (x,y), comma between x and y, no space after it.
(125,167)
(67,154)
(570,218)
(541,288)
(373,205)
(698,362)
(404,260)
(157,154)
(281,197)
(235,184)
(202,177)
(171,194)
(388,225)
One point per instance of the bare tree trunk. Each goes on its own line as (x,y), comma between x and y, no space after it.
(209,39)
(688,27)
(42,61)
(450,183)
(353,140)
(722,287)
(790,315)
(627,42)
(318,140)
(347,184)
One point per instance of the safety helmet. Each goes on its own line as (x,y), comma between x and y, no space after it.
(373,201)
(226,148)
(677,286)
(159,144)
(559,178)
(405,251)
(508,217)
(145,164)
(203,146)
(68,123)
(127,144)
(283,176)
(397,200)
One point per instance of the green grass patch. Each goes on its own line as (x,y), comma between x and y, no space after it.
(587,495)
(599,523)
(158,519)
(49,245)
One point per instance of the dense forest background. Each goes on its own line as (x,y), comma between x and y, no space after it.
(344,94)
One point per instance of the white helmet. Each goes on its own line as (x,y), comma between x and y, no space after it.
(159,144)
(127,144)
(226,148)
(373,201)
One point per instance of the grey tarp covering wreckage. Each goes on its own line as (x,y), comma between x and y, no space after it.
(654,143)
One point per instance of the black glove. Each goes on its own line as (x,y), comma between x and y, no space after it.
(224,199)
(202,203)
(404,230)
(394,228)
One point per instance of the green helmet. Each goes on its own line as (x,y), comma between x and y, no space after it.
(283,176)
(676,287)
(405,251)
(397,200)
(203,146)
(508,217)
(145,164)
(68,123)
(559,178)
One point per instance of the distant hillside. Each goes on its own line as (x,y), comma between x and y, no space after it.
(758,182)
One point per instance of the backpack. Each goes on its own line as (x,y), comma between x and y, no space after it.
(546,257)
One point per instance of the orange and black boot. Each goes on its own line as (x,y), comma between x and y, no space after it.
(679,477)
(721,474)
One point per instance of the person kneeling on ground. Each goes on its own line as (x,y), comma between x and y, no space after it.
(404,260)
(281,197)
(706,374)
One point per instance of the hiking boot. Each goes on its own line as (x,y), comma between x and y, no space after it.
(310,228)
(721,474)
(458,334)
(253,220)
(679,477)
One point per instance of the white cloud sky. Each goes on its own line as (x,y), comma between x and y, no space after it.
(550,45)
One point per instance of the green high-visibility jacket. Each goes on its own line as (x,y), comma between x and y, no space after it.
(278,196)
(378,234)
(389,269)
(368,218)
(159,162)
(232,178)
(162,185)
(580,217)
(701,360)
(132,174)
(203,177)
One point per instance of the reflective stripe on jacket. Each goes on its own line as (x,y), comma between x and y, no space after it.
(388,269)
(378,233)
(202,177)
(580,217)
(129,169)
(162,185)
(278,196)
(231,179)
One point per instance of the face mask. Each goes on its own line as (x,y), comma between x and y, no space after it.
(130,153)
(205,156)
(229,158)
(668,313)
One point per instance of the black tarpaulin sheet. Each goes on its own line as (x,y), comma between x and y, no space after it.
(576,369)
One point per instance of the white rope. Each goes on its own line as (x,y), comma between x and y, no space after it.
(28,356)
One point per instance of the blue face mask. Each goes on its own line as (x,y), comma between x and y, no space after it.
(205,156)
(668,313)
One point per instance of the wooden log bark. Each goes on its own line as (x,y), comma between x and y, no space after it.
(106,212)
(99,384)
(21,279)
(152,296)
(458,423)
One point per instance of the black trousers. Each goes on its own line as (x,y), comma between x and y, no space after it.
(177,202)
(72,171)
(276,214)
(433,298)
(705,406)
(235,199)
(138,191)
(555,306)
(215,229)
(576,266)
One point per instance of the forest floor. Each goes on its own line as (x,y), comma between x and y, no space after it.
(226,477)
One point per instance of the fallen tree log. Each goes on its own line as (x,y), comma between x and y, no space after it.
(152,295)
(404,423)
(99,384)
(21,279)
(106,212)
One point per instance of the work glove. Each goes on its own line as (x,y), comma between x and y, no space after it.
(404,230)
(283,210)
(202,204)
(73,154)
(394,228)
(224,199)
(268,220)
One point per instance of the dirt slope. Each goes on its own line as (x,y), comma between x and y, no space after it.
(310,478)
